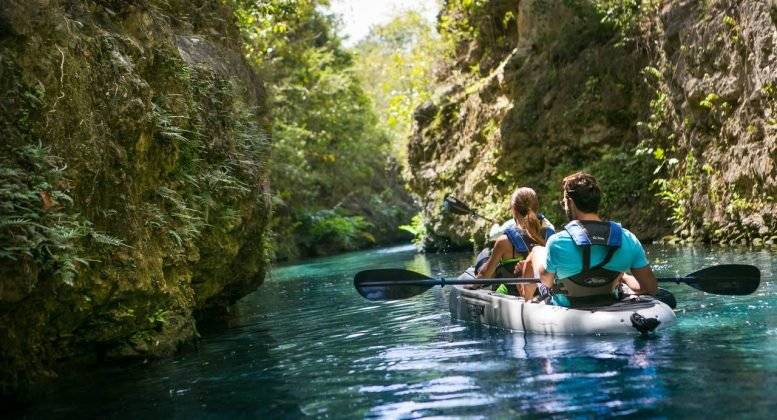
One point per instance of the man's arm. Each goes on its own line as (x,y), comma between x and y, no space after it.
(549,269)
(642,281)
(547,278)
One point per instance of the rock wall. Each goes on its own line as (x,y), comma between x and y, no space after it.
(714,117)
(133,180)
(669,104)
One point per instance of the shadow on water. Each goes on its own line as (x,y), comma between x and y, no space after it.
(231,375)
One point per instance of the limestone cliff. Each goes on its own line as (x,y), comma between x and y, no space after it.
(670,104)
(132,178)
(714,117)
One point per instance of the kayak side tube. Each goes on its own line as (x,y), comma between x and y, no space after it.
(513,313)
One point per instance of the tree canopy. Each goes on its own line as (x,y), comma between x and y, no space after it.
(335,183)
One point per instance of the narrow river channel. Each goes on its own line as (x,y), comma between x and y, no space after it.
(306,344)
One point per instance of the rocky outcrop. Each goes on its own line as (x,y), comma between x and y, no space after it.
(670,105)
(133,188)
(714,117)
(561,97)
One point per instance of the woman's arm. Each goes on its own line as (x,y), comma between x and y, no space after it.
(502,248)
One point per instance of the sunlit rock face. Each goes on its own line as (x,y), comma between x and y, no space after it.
(671,106)
(718,66)
(133,188)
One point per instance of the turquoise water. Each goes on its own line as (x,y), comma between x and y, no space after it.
(306,344)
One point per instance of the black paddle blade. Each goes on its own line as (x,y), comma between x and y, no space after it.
(390,284)
(726,279)
(667,297)
(453,205)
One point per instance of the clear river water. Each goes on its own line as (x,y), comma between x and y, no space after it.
(306,344)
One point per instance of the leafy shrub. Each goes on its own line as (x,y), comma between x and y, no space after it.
(417,228)
(329,230)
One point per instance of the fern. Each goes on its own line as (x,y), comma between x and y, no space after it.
(36,227)
(105,239)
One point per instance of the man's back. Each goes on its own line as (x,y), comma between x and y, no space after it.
(565,258)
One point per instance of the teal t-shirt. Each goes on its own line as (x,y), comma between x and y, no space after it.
(565,259)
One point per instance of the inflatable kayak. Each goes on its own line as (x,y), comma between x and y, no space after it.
(631,315)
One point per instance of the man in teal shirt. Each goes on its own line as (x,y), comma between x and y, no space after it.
(588,259)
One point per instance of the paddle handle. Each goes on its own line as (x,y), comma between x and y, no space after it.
(452,282)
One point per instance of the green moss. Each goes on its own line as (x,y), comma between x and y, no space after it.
(39,231)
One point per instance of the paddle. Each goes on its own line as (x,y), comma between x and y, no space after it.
(456,206)
(396,283)
(724,279)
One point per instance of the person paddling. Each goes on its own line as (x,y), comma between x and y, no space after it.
(511,248)
(590,257)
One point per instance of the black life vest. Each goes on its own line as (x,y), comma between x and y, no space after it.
(596,280)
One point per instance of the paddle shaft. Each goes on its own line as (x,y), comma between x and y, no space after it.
(692,279)
(511,280)
(483,217)
(457,206)
(451,282)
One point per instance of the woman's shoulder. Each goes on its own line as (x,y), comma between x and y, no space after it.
(502,245)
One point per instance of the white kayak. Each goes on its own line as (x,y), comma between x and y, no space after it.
(515,314)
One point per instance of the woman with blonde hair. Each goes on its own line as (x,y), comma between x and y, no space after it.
(510,250)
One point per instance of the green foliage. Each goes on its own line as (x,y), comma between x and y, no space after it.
(770,89)
(488,24)
(621,14)
(624,15)
(328,229)
(417,228)
(211,179)
(733,28)
(329,154)
(459,25)
(158,318)
(37,226)
(710,102)
(394,63)
(716,109)
(677,191)
(626,197)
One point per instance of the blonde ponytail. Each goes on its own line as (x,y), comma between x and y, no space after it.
(526,204)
